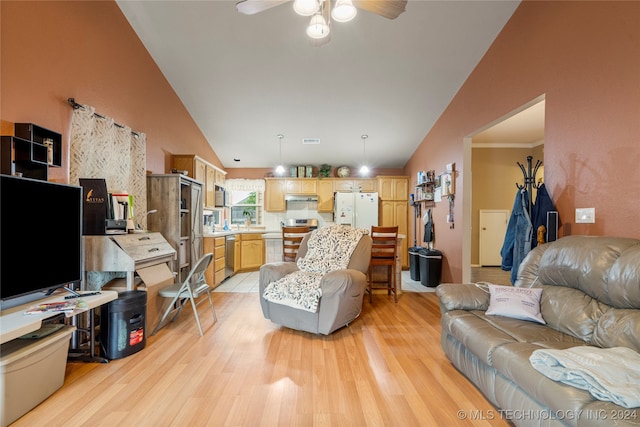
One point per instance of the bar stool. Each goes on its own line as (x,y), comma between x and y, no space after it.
(291,238)
(383,253)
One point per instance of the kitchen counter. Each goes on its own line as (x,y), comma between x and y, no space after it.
(241,231)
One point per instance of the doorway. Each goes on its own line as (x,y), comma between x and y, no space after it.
(491,172)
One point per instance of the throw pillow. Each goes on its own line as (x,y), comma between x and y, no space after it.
(517,303)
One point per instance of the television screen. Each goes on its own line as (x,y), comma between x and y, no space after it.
(40,236)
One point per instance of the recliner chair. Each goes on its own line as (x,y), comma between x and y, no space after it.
(342,292)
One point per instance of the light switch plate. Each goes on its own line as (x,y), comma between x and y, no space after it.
(585,215)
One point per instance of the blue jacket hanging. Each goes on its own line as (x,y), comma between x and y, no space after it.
(517,241)
(539,211)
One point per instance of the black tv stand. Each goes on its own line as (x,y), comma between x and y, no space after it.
(66,288)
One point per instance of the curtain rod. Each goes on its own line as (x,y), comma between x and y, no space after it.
(75,106)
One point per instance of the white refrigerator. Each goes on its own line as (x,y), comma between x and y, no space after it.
(360,210)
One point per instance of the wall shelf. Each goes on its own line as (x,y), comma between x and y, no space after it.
(40,135)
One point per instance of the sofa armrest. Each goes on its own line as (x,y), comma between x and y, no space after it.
(341,302)
(462,297)
(273,272)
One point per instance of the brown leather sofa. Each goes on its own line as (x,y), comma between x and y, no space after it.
(591,296)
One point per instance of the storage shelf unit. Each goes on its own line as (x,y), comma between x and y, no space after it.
(21,156)
(38,134)
(178,200)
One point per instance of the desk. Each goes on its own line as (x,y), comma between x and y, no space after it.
(15,323)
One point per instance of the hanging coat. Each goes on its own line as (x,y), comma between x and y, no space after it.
(539,211)
(517,241)
(428,229)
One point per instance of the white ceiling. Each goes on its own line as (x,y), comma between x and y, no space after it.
(245,79)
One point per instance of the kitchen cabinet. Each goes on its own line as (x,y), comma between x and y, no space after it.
(202,171)
(393,187)
(366,185)
(301,186)
(251,251)
(178,200)
(215,273)
(394,209)
(274,195)
(325,195)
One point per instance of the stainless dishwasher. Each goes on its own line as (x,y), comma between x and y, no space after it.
(230,250)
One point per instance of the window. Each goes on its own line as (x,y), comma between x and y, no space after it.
(246,204)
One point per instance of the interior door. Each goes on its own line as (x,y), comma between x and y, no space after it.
(493,227)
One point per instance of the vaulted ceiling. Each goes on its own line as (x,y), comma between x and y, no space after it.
(245,79)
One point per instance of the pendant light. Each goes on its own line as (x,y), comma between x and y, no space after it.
(343,11)
(364,170)
(318,28)
(306,7)
(280,168)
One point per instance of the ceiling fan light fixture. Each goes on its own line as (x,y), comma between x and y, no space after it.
(306,7)
(343,11)
(318,28)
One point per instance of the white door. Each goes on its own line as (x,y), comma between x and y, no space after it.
(493,227)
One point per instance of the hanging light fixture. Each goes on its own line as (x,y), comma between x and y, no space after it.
(280,168)
(364,170)
(306,7)
(343,11)
(318,27)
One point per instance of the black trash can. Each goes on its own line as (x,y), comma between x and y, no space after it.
(430,267)
(123,324)
(414,262)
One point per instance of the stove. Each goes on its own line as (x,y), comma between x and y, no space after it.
(294,222)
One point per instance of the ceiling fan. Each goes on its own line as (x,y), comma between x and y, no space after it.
(322,11)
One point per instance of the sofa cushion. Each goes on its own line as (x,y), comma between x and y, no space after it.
(571,311)
(618,328)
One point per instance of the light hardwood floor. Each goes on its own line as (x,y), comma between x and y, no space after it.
(385,369)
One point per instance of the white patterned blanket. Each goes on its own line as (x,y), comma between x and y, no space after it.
(609,374)
(329,249)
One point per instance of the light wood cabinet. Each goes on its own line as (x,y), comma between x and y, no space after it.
(325,195)
(202,171)
(251,251)
(393,187)
(219,260)
(301,186)
(366,185)
(394,209)
(274,195)
(178,200)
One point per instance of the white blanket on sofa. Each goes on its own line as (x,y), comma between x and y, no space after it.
(328,248)
(609,374)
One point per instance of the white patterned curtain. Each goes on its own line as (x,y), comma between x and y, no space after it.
(102,149)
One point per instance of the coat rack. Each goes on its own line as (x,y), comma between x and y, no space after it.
(529,180)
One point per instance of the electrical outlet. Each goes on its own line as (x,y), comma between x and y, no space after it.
(585,215)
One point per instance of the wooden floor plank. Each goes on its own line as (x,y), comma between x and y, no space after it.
(384,369)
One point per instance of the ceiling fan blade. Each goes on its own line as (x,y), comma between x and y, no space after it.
(390,9)
(251,7)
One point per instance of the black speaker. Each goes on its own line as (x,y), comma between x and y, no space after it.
(94,208)
(552,226)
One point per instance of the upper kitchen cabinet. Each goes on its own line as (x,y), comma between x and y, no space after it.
(275,189)
(306,186)
(393,187)
(325,195)
(201,170)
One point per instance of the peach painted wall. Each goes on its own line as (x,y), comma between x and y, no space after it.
(584,57)
(54,50)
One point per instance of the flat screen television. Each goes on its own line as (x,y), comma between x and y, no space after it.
(40,237)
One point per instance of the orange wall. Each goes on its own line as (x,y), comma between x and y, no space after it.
(54,50)
(585,58)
